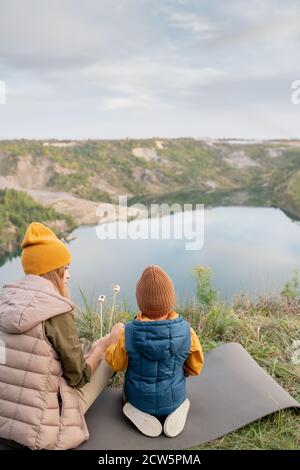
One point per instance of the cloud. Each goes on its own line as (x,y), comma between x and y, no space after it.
(142,67)
(118,103)
(191,22)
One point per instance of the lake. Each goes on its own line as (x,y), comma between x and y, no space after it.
(250,250)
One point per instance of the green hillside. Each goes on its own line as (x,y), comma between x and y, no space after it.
(220,172)
(17,210)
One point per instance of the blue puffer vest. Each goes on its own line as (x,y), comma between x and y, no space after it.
(157,350)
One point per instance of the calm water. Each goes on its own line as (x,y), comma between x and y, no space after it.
(250,250)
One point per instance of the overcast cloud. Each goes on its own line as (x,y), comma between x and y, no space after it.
(143,68)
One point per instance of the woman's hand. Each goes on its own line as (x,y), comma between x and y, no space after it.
(102,342)
(115,332)
(98,349)
(97,352)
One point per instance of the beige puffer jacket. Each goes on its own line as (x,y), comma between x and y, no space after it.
(37,407)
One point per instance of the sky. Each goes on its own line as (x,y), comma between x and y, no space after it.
(107,69)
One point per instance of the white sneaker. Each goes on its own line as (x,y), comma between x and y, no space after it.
(175,422)
(147,424)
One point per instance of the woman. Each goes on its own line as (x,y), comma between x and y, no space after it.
(46,382)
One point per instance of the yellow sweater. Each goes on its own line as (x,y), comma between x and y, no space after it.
(117,357)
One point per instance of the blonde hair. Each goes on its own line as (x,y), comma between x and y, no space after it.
(57,278)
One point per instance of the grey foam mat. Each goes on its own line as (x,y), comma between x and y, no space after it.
(232,391)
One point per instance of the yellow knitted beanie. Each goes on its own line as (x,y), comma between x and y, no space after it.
(155,292)
(42,250)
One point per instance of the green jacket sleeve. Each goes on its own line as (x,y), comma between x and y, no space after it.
(62,334)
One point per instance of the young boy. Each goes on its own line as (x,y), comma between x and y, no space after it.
(158,349)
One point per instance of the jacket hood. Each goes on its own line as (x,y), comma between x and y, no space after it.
(159,339)
(29,302)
